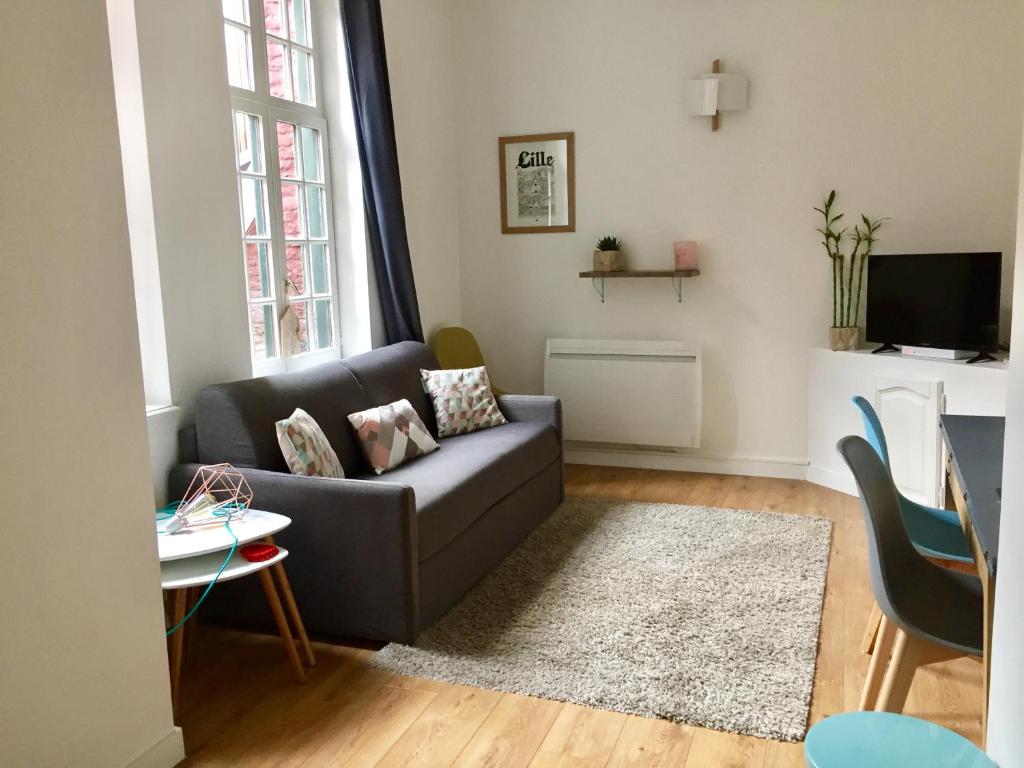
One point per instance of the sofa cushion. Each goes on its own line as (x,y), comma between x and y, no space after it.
(392,373)
(469,474)
(391,435)
(236,422)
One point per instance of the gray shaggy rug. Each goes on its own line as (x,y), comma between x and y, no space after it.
(700,615)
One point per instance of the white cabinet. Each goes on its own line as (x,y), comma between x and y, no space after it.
(909,411)
(909,394)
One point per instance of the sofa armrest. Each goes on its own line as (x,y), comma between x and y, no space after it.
(533,408)
(353,563)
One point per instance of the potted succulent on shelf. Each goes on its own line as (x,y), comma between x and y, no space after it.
(847,272)
(608,256)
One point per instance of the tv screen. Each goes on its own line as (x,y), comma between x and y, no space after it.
(941,300)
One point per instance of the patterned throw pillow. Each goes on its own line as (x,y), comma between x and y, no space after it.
(391,435)
(305,447)
(463,400)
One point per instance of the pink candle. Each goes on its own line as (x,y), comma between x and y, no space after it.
(686,254)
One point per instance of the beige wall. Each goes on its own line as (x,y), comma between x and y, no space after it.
(422,72)
(82,658)
(912,110)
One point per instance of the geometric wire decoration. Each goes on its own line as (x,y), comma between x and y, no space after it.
(217,493)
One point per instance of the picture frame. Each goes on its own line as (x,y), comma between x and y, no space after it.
(538,183)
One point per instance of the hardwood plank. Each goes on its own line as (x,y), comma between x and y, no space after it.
(443,730)
(511,734)
(648,743)
(785,755)
(717,749)
(239,707)
(582,733)
(363,732)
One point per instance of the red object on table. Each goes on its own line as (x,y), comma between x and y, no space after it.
(257,553)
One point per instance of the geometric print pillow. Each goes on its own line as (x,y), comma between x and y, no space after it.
(305,447)
(463,400)
(391,435)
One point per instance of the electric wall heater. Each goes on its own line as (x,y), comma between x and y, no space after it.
(631,395)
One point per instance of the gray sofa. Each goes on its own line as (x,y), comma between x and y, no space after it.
(378,557)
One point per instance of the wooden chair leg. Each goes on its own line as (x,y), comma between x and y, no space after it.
(908,654)
(294,616)
(177,643)
(871,631)
(282,624)
(879,663)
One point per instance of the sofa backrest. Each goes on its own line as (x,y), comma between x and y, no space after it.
(393,373)
(235,422)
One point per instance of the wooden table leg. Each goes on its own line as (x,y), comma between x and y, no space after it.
(177,642)
(282,624)
(293,609)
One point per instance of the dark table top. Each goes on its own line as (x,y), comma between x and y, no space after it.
(976,444)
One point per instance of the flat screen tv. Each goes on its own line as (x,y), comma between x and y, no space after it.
(939,300)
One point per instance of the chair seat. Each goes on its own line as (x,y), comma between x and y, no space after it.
(935,532)
(470,473)
(886,740)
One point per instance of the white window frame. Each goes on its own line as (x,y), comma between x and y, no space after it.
(270,110)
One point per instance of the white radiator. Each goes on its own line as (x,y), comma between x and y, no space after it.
(627,394)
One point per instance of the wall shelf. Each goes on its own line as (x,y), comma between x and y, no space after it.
(677,276)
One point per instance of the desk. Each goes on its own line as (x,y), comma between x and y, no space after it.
(190,560)
(974,467)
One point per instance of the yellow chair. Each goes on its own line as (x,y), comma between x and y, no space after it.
(456,347)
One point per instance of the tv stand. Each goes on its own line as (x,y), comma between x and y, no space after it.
(885,348)
(981,357)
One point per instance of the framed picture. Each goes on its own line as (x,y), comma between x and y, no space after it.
(538,183)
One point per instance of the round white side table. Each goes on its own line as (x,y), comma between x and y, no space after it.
(189,561)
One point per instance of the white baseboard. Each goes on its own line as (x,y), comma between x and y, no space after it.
(167,752)
(757,466)
(830,478)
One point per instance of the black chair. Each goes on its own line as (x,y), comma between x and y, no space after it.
(929,613)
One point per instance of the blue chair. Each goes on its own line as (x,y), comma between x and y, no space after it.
(886,740)
(934,532)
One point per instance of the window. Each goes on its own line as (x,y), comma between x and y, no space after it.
(280,136)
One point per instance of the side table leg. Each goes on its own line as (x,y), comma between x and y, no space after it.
(293,609)
(177,643)
(282,624)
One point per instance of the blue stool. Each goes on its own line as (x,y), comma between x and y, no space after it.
(886,740)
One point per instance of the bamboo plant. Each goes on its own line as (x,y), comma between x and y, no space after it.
(847,270)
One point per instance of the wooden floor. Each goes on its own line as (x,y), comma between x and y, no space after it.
(240,707)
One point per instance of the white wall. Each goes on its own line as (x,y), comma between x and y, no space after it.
(911,110)
(82,655)
(419,35)
(1006,711)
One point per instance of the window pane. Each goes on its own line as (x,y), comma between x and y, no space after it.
(249,143)
(257,270)
(291,208)
(236,10)
(322,321)
(254,208)
(302,66)
(286,151)
(311,163)
(302,312)
(273,18)
(237,47)
(296,272)
(298,20)
(277,71)
(315,217)
(262,330)
(319,267)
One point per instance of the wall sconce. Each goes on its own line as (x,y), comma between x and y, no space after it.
(709,94)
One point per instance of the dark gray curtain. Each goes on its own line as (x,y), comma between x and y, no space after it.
(378,154)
